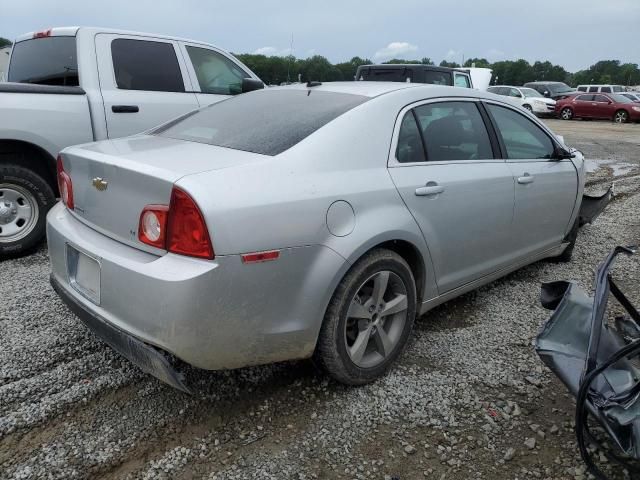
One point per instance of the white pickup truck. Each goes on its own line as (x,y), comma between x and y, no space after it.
(75,85)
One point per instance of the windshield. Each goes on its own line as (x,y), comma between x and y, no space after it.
(267,122)
(530,92)
(560,87)
(45,61)
(620,98)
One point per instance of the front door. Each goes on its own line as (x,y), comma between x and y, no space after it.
(143,83)
(545,188)
(446,171)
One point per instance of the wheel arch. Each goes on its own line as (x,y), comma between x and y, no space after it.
(23,153)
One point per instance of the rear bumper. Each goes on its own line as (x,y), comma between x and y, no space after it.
(149,359)
(213,315)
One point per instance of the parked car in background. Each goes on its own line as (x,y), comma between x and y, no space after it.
(527,98)
(613,106)
(415,73)
(4,61)
(601,88)
(634,97)
(77,85)
(554,90)
(383,200)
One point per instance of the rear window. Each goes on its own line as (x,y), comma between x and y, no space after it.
(386,75)
(45,61)
(266,122)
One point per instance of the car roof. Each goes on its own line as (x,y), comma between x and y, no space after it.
(412,66)
(73,31)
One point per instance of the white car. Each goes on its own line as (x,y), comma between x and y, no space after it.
(527,98)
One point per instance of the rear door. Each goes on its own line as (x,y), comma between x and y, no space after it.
(444,165)
(545,188)
(214,75)
(582,105)
(143,82)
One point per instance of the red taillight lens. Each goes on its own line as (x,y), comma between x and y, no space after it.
(153,225)
(64,184)
(187,232)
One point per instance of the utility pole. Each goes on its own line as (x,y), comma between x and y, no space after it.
(289,62)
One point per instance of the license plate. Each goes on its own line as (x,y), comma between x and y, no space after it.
(84,273)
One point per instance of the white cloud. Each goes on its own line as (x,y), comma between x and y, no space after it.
(495,54)
(453,54)
(272,52)
(395,50)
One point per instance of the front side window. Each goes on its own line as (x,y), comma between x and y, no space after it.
(605,89)
(462,81)
(513,92)
(600,98)
(410,149)
(216,73)
(520,136)
(582,89)
(618,88)
(454,131)
(145,65)
(585,98)
(45,61)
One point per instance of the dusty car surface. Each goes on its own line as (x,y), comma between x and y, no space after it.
(305,221)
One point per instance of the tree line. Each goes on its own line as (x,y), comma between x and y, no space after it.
(276,70)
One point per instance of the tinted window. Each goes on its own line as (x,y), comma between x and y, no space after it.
(521,137)
(386,75)
(410,148)
(493,90)
(605,89)
(215,72)
(593,89)
(437,78)
(454,131)
(462,81)
(144,65)
(585,98)
(600,98)
(617,88)
(45,61)
(582,89)
(266,122)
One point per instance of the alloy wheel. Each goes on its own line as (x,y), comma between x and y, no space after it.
(566,114)
(620,117)
(376,318)
(18,213)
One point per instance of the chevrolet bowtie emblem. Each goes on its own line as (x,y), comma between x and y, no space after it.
(100,184)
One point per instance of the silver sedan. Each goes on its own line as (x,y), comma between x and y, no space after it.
(306,221)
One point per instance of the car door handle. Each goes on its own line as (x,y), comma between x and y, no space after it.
(526,178)
(431,188)
(125,108)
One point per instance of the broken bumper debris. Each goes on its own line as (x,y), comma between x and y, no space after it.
(596,361)
(592,206)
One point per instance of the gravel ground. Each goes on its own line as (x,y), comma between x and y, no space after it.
(468,400)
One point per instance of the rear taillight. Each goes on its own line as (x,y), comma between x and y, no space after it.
(179,228)
(64,184)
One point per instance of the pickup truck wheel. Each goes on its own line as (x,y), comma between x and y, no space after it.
(369,319)
(25,199)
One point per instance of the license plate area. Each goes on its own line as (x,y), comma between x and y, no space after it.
(84,274)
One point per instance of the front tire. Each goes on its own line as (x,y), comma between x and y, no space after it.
(25,199)
(566,113)
(621,116)
(527,107)
(369,319)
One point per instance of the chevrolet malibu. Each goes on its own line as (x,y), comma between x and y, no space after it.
(307,221)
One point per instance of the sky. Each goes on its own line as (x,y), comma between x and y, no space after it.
(571,33)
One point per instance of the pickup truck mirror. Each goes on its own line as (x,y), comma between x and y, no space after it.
(546,93)
(251,84)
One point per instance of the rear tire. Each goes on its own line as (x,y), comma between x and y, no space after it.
(358,342)
(621,116)
(566,113)
(25,199)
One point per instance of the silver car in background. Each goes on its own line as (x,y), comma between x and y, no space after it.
(303,221)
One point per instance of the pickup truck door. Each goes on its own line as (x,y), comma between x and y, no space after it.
(143,81)
(459,193)
(545,188)
(214,74)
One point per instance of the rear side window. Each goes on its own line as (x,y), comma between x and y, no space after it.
(454,131)
(145,65)
(45,61)
(582,89)
(617,88)
(267,122)
(520,136)
(410,149)
(605,89)
(593,89)
(216,73)
(462,81)
(437,78)
(585,98)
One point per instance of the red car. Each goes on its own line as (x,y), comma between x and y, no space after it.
(613,106)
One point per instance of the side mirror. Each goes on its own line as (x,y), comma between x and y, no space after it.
(562,154)
(546,93)
(251,84)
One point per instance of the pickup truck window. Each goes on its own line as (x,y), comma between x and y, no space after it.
(462,81)
(216,73)
(146,65)
(437,78)
(45,61)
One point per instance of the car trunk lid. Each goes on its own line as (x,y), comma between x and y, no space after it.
(114,180)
